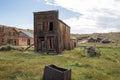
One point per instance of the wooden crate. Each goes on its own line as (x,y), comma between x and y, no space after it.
(52,72)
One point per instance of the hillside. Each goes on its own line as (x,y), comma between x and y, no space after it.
(111,35)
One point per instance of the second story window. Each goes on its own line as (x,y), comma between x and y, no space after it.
(50,26)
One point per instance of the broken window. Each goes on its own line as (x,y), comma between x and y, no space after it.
(41,38)
(15,42)
(28,41)
(2,40)
(51,26)
(41,44)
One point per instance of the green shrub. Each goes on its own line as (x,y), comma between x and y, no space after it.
(8,48)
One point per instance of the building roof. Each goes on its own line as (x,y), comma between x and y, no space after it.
(28,34)
(46,12)
(64,23)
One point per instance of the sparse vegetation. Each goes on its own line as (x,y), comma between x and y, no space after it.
(8,48)
(19,65)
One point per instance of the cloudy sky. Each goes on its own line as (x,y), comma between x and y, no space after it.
(83,16)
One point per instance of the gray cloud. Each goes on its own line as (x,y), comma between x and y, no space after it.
(101,15)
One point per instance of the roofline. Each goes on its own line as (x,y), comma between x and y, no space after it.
(26,34)
(46,11)
(15,30)
(64,23)
(10,27)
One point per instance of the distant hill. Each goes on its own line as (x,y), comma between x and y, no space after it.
(111,35)
(114,37)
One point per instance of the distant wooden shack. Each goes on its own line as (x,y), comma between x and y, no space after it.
(94,39)
(74,42)
(50,33)
(105,40)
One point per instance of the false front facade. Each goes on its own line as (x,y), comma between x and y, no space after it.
(50,33)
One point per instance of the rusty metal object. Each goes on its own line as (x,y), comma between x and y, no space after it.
(92,51)
(52,72)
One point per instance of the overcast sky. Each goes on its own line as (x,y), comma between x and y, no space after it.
(83,16)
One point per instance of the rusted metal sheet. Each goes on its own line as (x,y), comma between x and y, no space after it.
(92,51)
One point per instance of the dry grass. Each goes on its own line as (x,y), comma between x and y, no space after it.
(18,65)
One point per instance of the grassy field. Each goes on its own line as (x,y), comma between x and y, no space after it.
(19,65)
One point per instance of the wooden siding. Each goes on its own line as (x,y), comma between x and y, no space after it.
(8,36)
(50,33)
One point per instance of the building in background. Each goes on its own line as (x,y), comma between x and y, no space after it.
(50,33)
(15,37)
(74,42)
(25,38)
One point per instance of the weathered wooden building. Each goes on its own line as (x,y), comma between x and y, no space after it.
(74,42)
(8,36)
(12,36)
(50,33)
